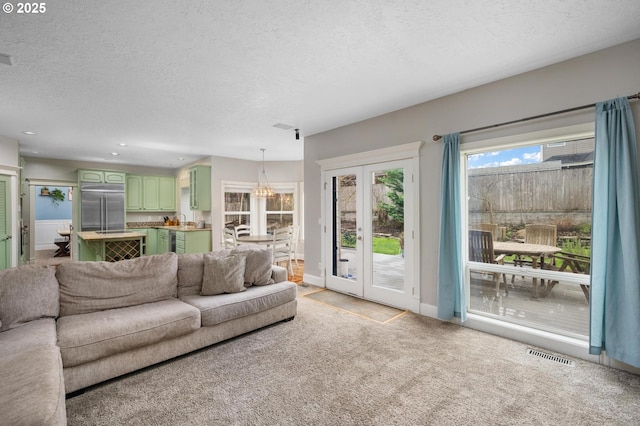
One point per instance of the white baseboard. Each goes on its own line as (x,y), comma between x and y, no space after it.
(429,310)
(313,280)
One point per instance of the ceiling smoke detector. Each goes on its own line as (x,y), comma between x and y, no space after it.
(6,59)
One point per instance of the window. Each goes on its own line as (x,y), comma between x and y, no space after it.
(262,214)
(237,207)
(279,210)
(529,231)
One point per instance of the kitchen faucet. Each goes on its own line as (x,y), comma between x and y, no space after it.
(184,222)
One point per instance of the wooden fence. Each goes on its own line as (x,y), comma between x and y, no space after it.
(547,194)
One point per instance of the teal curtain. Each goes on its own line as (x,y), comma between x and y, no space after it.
(451,293)
(615,254)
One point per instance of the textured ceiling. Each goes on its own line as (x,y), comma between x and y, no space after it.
(188,79)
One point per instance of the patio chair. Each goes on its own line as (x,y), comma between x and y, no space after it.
(282,247)
(538,234)
(229,237)
(491,227)
(481,250)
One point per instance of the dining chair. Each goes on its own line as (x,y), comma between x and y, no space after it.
(229,238)
(295,236)
(481,250)
(282,247)
(242,230)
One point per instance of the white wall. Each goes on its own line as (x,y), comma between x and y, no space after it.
(47,232)
(588,79)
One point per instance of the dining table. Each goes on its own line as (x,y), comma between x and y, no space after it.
(537,253)
(63,244)
(255,239)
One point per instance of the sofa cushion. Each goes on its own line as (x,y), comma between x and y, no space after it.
(96,286)
(27,293)
(34,333)
(258,266)
(32,387)
(223,274)
(225,307)
(87,337)
(191,270)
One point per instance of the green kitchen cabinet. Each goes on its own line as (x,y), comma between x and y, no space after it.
(134,193)
(151,193)
(193,241)
(101,176)
(167,193)
(200,187)
(152,242)
(164,245)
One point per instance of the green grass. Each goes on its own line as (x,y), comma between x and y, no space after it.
(576,247)
(386,245)
(381,245)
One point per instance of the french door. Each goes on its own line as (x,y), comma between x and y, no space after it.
(370,232)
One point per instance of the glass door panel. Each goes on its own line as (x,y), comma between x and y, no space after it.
(387,278)
(344,231)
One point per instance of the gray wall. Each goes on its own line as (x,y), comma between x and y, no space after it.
(9,151)
(588,79)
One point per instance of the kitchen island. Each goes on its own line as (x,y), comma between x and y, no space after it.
(111,246)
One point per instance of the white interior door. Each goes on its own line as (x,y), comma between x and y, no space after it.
(370,230)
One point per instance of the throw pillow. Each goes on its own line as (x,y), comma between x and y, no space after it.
(28,293)
(223,275)
(258,268)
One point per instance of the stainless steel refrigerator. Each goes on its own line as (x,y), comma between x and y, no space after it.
(102,206)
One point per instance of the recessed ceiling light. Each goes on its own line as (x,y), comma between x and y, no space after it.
(34,152)
(122,144)
(180,158)
(28,132)
(114,153)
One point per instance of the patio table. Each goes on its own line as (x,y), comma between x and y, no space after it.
(536,252)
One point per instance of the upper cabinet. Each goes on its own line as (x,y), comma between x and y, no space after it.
(100,176)
(151,193)
(200,187)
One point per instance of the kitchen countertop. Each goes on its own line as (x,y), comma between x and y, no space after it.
(182,228)
(95,236)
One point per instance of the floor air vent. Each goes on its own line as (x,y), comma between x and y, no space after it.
(550,357)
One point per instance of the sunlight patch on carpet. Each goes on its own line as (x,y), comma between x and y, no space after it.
(363,308)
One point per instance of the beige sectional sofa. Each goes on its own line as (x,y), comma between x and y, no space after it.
(63,330)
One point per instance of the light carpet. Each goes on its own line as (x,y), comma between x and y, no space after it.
(330,367)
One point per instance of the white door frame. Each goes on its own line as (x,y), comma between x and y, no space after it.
(412,242)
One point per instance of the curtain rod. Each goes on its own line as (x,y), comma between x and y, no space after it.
(436,138)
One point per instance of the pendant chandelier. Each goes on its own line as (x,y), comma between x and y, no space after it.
(263,190)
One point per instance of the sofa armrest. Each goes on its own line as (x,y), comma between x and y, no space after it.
(279,273)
